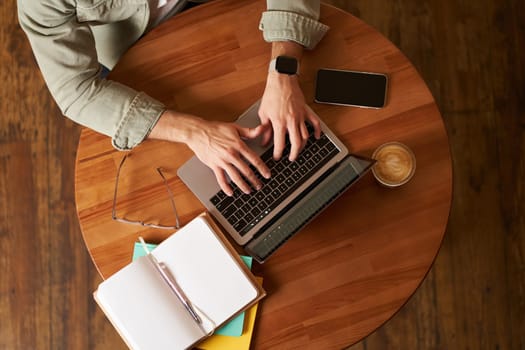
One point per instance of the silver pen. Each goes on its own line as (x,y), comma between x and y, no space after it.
(172,283)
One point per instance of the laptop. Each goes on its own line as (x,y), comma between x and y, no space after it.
(296,192)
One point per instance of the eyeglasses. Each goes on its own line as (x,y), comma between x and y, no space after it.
(142,223)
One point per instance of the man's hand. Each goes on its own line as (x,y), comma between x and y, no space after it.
(283,109)
(219,145)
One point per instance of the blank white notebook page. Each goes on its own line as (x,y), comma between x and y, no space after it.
(144,309)
(211,278)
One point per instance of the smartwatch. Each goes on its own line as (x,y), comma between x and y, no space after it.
(284,65)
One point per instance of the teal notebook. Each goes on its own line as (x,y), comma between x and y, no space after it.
(235,326)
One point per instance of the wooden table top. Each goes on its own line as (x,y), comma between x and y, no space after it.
(357,263)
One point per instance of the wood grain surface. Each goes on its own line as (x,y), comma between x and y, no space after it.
(471,56)
(354,266)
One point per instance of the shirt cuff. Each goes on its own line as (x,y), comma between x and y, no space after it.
(136,125)
(289,26)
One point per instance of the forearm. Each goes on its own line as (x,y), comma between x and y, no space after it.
(287,48)
(176,127)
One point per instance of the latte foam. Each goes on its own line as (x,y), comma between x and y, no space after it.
(395,164)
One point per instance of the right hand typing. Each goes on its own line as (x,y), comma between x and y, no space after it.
(219,145)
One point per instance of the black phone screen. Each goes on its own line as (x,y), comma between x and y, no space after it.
(351,88)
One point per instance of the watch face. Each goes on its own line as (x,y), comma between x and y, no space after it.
(286,65)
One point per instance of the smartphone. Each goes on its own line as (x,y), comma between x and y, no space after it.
(351,88)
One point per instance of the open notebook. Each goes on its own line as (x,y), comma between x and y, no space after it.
(149,315)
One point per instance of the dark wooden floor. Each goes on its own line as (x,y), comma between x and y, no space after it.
(471,54)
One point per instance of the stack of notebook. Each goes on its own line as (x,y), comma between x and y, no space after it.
(236,334)
(175,297)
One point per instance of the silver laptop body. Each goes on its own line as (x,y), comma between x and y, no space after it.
(270,226)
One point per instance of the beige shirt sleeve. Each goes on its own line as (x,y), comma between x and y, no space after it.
(65,51)
(293,20)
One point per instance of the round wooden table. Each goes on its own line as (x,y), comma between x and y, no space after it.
(357,263)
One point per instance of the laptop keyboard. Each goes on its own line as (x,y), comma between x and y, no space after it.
(244,211)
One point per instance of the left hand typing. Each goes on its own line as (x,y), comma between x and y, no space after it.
(283,107)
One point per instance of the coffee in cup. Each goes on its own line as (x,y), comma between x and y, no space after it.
(395,164)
